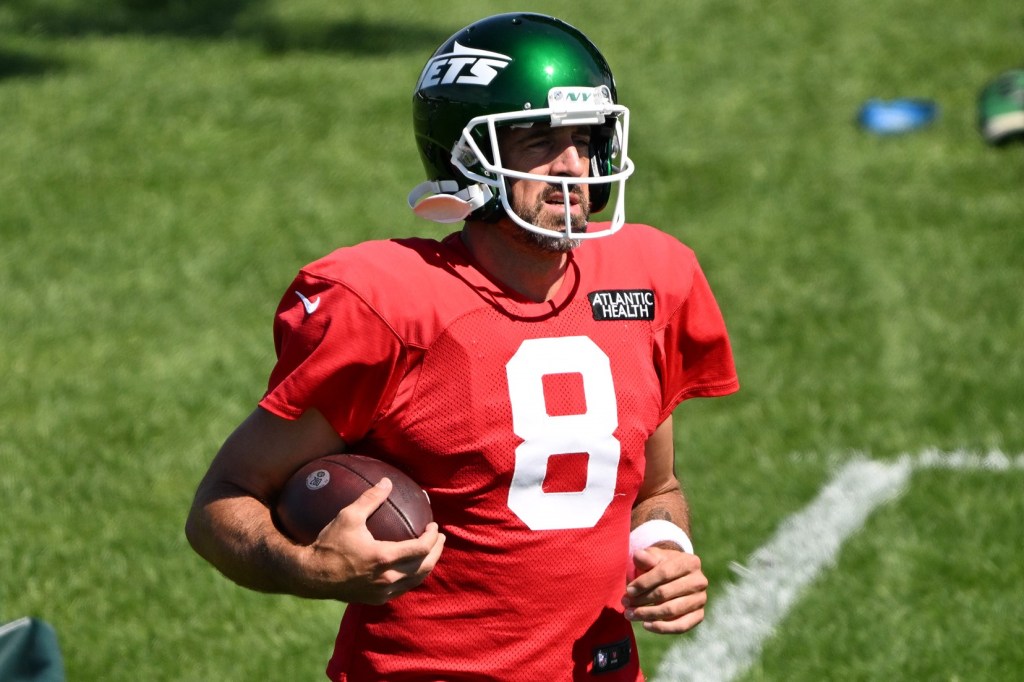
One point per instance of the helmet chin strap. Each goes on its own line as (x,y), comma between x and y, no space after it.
(447,203)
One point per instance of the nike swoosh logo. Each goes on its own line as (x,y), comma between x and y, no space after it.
(309,305)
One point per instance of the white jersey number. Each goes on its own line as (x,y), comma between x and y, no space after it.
(545,435)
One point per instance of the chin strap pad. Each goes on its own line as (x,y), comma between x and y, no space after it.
(447,203)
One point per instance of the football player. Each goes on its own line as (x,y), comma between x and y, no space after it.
(524,370)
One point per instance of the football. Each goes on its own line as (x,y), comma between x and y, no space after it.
(319,490)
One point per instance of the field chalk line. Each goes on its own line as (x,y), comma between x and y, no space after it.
(747,611)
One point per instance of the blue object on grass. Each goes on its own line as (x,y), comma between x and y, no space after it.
(896,116)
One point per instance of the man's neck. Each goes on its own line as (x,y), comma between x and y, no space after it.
(525,268)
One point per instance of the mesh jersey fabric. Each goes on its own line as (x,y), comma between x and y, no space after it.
(525,423)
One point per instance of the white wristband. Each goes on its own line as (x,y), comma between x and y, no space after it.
(658,530)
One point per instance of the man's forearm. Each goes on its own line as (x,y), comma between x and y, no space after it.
(237,536)
(669,506)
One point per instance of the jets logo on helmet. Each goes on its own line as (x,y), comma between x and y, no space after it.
(462,66)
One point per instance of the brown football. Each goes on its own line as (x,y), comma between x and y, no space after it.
(319,490)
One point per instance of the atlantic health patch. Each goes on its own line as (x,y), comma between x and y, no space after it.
(622,304)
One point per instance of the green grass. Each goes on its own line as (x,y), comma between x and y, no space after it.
(166,167)
(939,574)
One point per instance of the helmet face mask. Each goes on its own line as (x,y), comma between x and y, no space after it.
(484,164)
(515,70)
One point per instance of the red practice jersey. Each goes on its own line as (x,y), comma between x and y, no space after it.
(525,423)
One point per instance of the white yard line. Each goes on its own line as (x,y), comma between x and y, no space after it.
(744,615)
(993,461)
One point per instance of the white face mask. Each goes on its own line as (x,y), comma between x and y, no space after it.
(566,107)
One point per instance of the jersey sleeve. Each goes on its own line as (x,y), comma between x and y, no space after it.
(334,354)
(693,354)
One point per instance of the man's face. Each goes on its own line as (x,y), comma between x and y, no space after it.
(544,150)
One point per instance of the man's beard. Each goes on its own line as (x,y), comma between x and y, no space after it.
(536,215)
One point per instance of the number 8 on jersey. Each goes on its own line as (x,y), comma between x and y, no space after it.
(544,435)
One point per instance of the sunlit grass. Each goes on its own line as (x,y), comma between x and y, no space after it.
(165,169)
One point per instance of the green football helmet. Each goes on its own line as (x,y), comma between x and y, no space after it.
(1001,108)
(514,69)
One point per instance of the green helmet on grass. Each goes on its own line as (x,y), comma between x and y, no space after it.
(514,69)
(1001,108)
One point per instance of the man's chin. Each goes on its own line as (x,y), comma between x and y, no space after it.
(548,243)
(552,217)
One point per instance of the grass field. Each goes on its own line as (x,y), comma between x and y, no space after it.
(166,166)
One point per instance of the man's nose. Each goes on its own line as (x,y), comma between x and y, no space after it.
(569,162)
